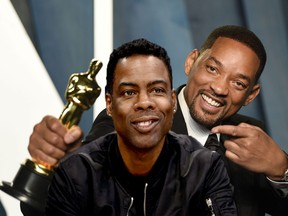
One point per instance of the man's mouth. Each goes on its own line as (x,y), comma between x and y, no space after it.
(210,101)
(144,124)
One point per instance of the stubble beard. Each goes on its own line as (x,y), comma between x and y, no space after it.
(204,119)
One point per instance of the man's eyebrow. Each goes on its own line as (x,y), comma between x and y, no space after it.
(127,84)
(211,58)
(154,82)
(240,75)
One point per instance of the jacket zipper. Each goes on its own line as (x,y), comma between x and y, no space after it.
(131,203)
(144,200)
(210,206)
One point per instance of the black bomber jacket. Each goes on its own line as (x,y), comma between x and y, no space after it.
(195,182)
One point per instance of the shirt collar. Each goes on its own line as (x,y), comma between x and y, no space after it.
(195,130)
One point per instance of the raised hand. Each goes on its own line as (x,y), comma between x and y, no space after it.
(51,140)
(250,147)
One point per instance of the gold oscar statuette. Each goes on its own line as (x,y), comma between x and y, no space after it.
(30,184)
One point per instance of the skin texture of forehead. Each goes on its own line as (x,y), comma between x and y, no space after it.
(137,62)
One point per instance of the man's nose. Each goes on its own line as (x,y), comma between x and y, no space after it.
(220,86)
(144,101)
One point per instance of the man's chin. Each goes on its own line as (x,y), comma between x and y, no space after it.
(207,122)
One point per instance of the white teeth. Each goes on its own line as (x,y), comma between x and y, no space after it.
(210,101)
(144,124)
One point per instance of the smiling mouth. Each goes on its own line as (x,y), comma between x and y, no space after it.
(145,126)
(144,123)
(210,101)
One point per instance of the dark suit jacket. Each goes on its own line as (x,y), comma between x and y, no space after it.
(253,194)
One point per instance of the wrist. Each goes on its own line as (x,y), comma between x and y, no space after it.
(281,175)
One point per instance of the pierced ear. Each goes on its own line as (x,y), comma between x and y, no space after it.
(175,107)
(190,60)
(174,98)
(253,94)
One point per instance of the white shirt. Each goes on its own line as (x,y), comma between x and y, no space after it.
(195,130)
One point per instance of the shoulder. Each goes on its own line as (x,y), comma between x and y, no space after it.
(184,141)
(190,149)
(238,118)
(193,155)
(94,152)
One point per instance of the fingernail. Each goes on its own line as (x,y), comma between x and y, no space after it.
(69,138)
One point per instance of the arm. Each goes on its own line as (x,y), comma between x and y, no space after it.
(50,140)
(62,196)
(250,147)
(219,195)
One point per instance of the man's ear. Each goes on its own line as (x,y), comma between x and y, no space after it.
(253,94)
(108,99)
(190,60)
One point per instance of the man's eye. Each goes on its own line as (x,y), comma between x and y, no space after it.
(128,93)
(211,69)
(240,85)
(158,90)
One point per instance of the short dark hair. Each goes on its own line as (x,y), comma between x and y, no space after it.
(135,47)
(242,35)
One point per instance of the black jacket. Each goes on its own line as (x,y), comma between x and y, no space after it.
(87,183)
(253,194)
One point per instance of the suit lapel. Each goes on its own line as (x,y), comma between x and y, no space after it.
(179,125)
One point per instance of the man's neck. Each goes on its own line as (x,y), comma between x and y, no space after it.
(139,162)
(194,129)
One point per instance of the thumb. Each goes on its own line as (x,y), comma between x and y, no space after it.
(74,134)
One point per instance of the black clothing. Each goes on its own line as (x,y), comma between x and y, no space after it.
(212,143)
(253,194)
(90,182)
